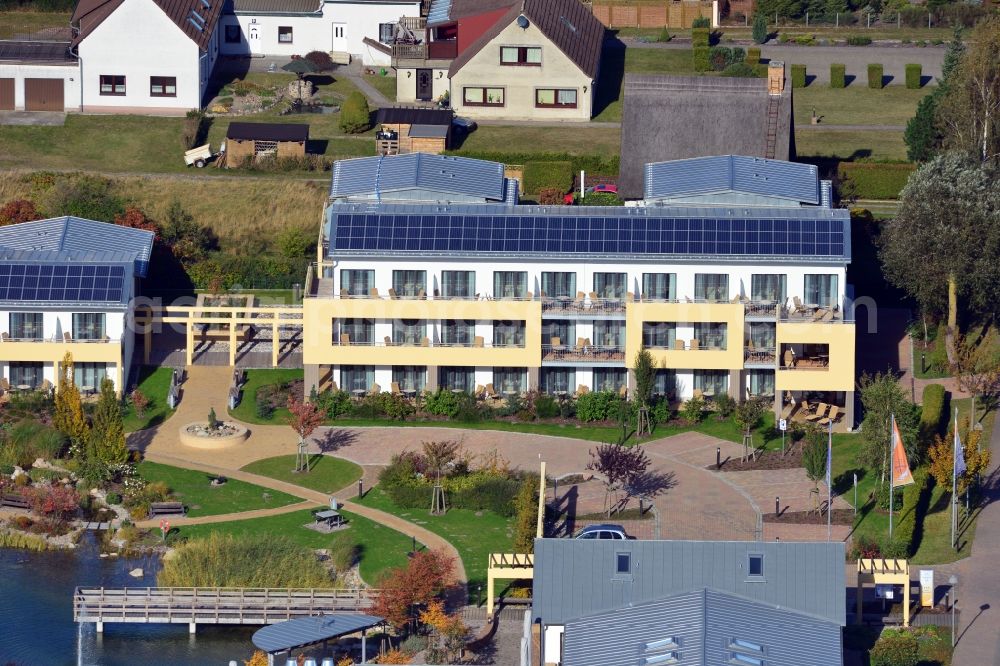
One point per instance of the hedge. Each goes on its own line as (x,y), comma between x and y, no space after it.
(932,412)
(908,527)
(249,272)
(913,75)
(603,164)
(875,73)
(702,60)
(699,38)
(895,647)
(859,40)
(876,180)
(494,494)
(798,76)
(837,75)
(539,176)
(753,55)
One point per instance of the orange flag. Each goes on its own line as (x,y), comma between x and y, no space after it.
(901,475)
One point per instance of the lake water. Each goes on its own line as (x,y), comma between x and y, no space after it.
(36,616)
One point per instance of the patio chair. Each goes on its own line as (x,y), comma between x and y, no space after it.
(345,339)
(421,295)
(46,386)
(827,316)
(478,341)
(799,307)
(831,417)
(376,389)
(819,314)
(820,412)
(629,297)
(582,389)
(679,345)
(788,358)
(5,336)
(806,407)
(5,385)
(395,389)
(425,342)
(392,294)
(578,302)
(554,341)
(593,298)
(67,336)
(698,393)
(344,293)
(786,412)
(623,391)
(491,393)
(695,343)
(373,292)
(387,340)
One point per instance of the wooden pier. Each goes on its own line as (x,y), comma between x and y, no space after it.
(210,605)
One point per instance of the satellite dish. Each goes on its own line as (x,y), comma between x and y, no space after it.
(522,21)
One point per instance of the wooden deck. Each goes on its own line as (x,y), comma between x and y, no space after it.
(203,605)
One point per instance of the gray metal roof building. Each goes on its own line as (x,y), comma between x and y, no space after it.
(575,578)
(422,177)
(702,627)
(749,180)
(74,239)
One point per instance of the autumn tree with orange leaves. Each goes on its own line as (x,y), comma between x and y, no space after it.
(403,590)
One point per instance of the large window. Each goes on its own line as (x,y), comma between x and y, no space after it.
(508,333)
(163,86)
(112,84)
(483,96)
(386,32)
(762,383)
(558,380)
(665,383)
(711,287)
(410,377)
(358,331)
(26,325)
(88,325)
(610,379)
(710,335)
(455,378)
(233,34)
(409,284)
(762,335)
(659,286)
(559,285)
(357,377)
(408,331)
(609,333)
(610,285)
(659,334)
(285,34)
(509,381)
(458,332)
(510,284)
(820,290)
(357,282)
(768,288)
(27,374)
(711,382)
(458,284)
(563,329)
(521,55)
(88,376)
(555,98)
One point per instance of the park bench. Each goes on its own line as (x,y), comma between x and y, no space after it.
(15,501)
(166,509)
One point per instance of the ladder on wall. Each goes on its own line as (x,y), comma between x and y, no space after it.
(773,104)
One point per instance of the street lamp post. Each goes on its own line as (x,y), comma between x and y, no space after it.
(953,581)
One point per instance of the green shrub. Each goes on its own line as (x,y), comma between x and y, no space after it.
(113,498)
(453,405)
(487,492)
(344,554)
(741,70)
(908,527)
(858,40)
(700,38)
(938,358)
(548,175)
(321,60)
(355,116)
(759,29)
(693,410)
(838,75)
(664,36)
(262,405)
(913,75)
(597,406)
(333,403)
(798,76)
(701,22)
(526,514)
(805,40)
(932,413)
(875,180)
(725,404)
(546,407)
(601,199)
(895,647)
(753,55)
(702,62)
(875,73)
(248,271)
(721,57)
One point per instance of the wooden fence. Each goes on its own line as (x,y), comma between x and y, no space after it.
(672,14)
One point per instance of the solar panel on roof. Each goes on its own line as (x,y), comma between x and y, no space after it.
(88,283)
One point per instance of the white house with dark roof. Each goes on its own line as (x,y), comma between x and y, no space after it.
(67,286)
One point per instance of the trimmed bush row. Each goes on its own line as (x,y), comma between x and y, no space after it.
(907,530)
(539,176)
(700,37)
(874,180)
(932,412)
(837,75)
(875,73)
(753,55)
(702,59)
(913,75)
(798,76)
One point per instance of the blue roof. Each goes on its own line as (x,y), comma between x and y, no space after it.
(575,232)
(449,175)
(733,173)
(308,630)
(78,239)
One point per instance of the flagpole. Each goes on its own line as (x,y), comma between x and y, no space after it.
(892,433)
(829,479)
(954,480)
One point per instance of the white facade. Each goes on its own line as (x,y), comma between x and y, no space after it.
(139,41)
(406,84)
(340,27)
(69,72)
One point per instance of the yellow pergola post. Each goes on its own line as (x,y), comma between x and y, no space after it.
(275,343)
(120,383)
(190,342)
(541,503)
(232,341)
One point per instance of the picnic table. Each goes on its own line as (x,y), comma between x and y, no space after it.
(330,518)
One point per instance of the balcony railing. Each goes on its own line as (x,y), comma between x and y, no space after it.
(764,356)
(66,337)
(806,313)
(426,342)
(585,305)
(583,353)
(761,310)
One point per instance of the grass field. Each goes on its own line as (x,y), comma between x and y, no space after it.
(380,547)
(384,84)
(24,23)
(326,474)
(857,104)
(534,139)
(849,145)
(475,534)
(246,411)
(154,383)
(202,499)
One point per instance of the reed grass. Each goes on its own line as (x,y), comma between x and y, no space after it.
(14,539)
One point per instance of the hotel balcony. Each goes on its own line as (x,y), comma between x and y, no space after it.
(583,307)
(583,353)
(759,357)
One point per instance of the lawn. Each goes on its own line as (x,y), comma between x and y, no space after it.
(202,499)
(384,84)
(849,145)
(475,534)
(380,547)
(154,384)
(857,104)
(19,24)
(578,140)
(326,473)
(246,411)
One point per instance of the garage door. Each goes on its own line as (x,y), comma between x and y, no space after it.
(43,95)
(6,94)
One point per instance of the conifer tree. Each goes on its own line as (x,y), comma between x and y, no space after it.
(108,434)
(68,416)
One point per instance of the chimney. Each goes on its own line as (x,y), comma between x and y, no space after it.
(775,77)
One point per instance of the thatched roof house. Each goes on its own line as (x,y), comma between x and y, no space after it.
(677,117)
